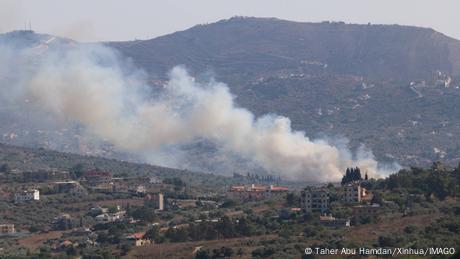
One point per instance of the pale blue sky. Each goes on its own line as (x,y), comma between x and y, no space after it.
(95,20)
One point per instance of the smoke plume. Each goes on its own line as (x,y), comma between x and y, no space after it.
(94,86)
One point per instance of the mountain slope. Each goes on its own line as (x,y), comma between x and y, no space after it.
(393,88)
(258,45)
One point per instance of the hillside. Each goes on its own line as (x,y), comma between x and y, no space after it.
(393,88)
(30,159)
(258,45)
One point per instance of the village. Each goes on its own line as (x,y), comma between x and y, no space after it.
(132,206)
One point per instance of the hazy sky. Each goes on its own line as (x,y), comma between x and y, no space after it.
(94,20)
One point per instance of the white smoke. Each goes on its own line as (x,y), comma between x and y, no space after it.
(92,85)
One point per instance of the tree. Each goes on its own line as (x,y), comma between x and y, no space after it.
(226,228)
(71,251)
(389,241)
(5,168)
(263,252)
(223,252)
(357,175)
(202,254)
(351,175)
(77,170)
(143,213)
(244,227)
(377,198)
(125,248)
(153,233)
(292,199)
(240,252)
(177,235)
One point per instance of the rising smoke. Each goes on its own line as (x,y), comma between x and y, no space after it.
(93,86)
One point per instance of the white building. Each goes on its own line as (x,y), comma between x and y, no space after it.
(141,189)
(111,217)
(155,180)
(27,195)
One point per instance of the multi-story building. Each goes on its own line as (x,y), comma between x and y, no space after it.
(353,193)
(27,195)
(256,192)
(315,200)
(161,201)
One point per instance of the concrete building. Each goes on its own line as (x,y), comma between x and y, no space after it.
(161,201)
(45,175)
(27,195)
(256,192)
(330,221)
(72,187)
(137,239)
(111,217)
(137,189)
(62,222)
(7,229)
(315,200)
(353,193)
(155,180)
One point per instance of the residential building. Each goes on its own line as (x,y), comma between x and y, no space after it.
(315,200)
(137,239)
(103,187)
(330,221)
(256,192)
(62,222)
(7,229)
(137,189)
(27,195)
(111,217)
(353,192)
(45,175)
(155,180)
(72,187)
(98,211)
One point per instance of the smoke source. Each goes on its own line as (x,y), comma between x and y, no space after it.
(93,86)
